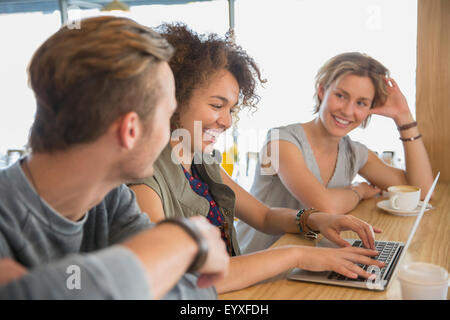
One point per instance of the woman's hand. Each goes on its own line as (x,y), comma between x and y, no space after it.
(365,190)
(339,260)
(331,225)
(396,106)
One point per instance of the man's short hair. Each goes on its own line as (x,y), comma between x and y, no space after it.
(85,79)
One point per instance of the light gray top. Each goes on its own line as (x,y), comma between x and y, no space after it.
(47,245)
(268,188)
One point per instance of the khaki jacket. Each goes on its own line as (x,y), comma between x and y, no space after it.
(177,197)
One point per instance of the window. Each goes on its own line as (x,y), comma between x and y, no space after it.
(23,33)
(289,39)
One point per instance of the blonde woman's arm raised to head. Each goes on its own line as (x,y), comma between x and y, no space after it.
(418,167)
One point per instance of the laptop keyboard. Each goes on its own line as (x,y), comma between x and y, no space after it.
(386,251)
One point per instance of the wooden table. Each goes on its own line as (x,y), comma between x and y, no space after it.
(431,243)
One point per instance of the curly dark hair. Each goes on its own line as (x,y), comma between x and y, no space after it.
(198,57)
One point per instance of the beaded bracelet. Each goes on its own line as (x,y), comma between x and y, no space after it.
(411,139)
(301,219)
(297,219)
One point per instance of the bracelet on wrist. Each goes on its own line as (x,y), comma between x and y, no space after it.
(301,219)
(411,139)
(407,126)
(191,229)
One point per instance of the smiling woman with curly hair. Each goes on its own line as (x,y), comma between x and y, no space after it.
(199,57)
(214,79)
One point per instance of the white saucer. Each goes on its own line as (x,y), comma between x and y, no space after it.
(384,205)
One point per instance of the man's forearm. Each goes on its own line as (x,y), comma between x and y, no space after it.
(111,273)
(166,252)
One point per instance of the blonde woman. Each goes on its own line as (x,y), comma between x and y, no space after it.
(316,161)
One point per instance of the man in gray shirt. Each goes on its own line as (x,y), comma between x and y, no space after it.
(69,228)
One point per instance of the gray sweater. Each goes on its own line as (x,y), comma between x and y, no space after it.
(76,260)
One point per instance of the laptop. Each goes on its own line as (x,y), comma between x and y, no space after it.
(390,252)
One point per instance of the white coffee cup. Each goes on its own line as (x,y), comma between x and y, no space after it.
(423,281)
(404,197)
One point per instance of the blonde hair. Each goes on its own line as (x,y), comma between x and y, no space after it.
(357,64)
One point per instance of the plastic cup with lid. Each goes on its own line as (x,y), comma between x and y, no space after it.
(423,281)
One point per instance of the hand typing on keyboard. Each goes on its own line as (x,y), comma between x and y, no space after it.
(332,225)
(386,253)
(348,262)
